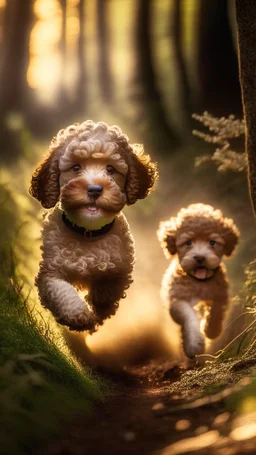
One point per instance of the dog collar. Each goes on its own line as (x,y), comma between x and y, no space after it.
(86,232)
(205,279)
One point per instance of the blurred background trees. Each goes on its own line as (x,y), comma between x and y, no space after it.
(147,63)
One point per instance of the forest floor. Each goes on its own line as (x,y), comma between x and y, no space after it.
(147,412)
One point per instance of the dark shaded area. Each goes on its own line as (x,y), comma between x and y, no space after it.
(159,127)
(18,22)
(177,37)
(144,414)
(217,60)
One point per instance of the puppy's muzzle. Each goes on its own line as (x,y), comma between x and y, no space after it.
(94,191)
(199,259)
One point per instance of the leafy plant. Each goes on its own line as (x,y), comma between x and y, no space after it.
(223,131)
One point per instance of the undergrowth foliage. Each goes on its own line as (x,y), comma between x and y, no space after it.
(249,291)
(222,132)
(41,385)
(230,375)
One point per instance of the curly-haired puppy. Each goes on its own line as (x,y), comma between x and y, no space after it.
(89,175)
(198,237)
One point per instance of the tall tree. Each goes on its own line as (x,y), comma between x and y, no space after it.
(104,69)
(62,95)
(150,96)
(80,96)
(217,59)
(15,94)
(18,23)
(2,9)
(246,13)
(177,34)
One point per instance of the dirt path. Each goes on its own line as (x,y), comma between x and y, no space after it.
(141,416)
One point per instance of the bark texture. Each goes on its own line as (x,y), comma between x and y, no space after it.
(246,14)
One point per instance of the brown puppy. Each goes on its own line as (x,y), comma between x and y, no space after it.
(90,173)
(197,238)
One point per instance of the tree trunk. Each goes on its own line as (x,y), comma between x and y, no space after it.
(15,95)
(217,60)
(2,13)
(18,22)
(246,14)
(62,95)
(104,70)
(81,79)
(180,67)
(156,116)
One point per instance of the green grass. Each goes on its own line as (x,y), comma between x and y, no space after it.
(41,385)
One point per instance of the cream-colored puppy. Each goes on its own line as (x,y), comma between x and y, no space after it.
(195,286)
(89,175)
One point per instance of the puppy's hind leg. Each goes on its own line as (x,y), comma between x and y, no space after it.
(193,341)
(214,320)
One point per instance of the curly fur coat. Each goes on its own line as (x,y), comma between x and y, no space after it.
(195,285)
(90,173)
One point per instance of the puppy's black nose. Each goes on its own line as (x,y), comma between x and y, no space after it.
(199,259)
(94,191)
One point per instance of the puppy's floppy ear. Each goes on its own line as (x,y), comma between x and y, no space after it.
(167,236)
(141,176)
(45,180)
(230,235)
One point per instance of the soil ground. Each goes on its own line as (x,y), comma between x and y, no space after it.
(143,415)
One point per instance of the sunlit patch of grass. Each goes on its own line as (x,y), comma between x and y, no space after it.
(243,399)
(41,384)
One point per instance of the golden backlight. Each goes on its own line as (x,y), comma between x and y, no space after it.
(46,62)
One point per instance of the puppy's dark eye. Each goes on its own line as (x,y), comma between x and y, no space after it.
(188,243)
(110,169)
(212,242)
(76,167)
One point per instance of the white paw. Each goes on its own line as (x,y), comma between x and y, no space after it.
(193,343)
(79,322)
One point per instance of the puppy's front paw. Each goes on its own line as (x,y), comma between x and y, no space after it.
(193,343)
(79,323)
